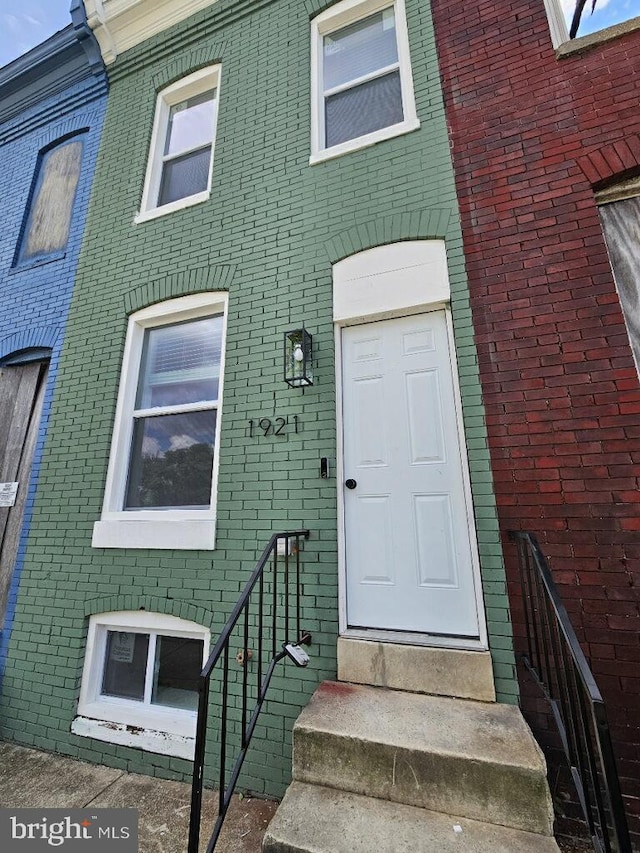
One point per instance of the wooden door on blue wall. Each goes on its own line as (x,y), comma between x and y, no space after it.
(22,388)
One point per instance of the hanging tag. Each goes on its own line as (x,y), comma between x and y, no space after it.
(122,645)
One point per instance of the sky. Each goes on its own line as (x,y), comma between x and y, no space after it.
(606,13)
(26,23)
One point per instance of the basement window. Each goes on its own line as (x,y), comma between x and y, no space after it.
(140,681)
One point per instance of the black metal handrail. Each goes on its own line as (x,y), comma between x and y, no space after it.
(268,628)
(557,664)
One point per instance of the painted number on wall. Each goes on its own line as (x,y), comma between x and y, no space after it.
(273,426)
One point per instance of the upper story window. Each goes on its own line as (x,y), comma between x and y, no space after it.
(570,19)
(160,490)
(48,222)
(182,143)
(362,89)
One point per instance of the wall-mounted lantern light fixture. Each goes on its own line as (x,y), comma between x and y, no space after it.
(298,352)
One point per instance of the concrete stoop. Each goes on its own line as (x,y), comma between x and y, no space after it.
(314,819)
(437,772)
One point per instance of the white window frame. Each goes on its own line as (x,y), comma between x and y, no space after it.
(621,191)
(180,529)
(559,28)
(339,16)
(557,24)
(189,87)
(156,728)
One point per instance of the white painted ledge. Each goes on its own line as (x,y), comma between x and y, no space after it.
(172,207)
(164,534)
(148,740)
(364,141)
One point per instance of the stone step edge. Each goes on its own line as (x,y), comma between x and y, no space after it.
(332,696)
(435,671)
(317,819)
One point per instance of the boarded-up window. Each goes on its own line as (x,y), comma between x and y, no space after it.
(621,224)
(49,218)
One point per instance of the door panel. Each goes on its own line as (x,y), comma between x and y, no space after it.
(376,557)
(426,442)
(409,551)
(433,523)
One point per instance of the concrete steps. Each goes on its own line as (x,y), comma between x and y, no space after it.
(473,759)
(313,819)
(366,758)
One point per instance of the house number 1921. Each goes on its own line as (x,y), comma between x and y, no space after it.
(275,426)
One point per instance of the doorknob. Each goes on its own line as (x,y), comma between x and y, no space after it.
(350,484)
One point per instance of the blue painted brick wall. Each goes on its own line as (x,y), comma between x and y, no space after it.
(34,299)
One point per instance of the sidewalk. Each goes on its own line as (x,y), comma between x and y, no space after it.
(32,779)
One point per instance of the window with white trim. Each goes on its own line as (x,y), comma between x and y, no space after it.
(181,154)
(569,19)
(161,482)
(362,88)
(141,670)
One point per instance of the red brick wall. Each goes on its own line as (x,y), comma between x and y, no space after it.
(531,135)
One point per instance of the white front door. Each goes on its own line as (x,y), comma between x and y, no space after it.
(409,539)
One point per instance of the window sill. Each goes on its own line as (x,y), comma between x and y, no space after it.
(38,262)
(149,740)
(181,204)
(111,710)
(162,534)
(583,43)
(364,141)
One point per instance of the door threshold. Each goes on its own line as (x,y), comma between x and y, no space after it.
(407,638)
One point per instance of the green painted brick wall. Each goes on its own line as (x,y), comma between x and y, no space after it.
(269,234)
